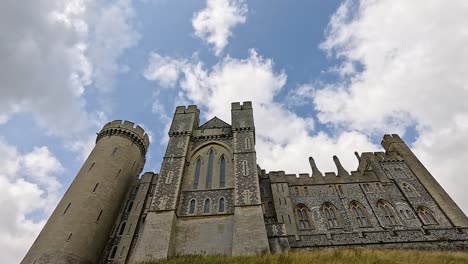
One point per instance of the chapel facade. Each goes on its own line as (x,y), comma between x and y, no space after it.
(211,197)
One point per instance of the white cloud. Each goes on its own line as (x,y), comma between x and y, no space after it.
(28,183)
(284,140)
(214,24)
(165,70)
(414,66)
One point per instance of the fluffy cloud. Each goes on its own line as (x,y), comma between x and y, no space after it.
(413,65)
(255,79)
(51,53)
(28,184)
(214,24)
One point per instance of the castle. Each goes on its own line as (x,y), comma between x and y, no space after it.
(211,197)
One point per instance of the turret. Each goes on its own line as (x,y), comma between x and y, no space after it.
(78,229)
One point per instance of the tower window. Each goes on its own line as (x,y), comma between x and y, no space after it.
(209,174)
(113,252)
(306,191)
(247,143)
(99,216)
(206,208)
(245,168)
(118,174)
(222,171)
(92,166)
(122,228)
(192,206)
(221,205)
(114,151)
(95,187)
(69,237)
(129,208)
(169,177)
(66,209)
(197,174)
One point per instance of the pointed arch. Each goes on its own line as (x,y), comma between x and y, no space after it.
(359,213)
(207,206)
(247,143)
(304,221)
(221,205)
(388,212)
(197,173)
(113,252)
(409,190)
(331,214)
(245,168)
(209,172)
(192,206)
(222,172)
(122,228)
(426,215)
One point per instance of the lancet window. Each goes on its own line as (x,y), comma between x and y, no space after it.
(426,216)
(388,212)
(303,216)
(359,213)
(331,215)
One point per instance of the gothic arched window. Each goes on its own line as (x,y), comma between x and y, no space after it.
(297,191)
(209,173)
(329,210)
(197,174)
(306,191)
(113,252)
(207,206)
(303,216)
(409,190)
(388,212)
(359,213)
(169,177)
(222,173)
(221,205)
(192,205)
(426,216)
(122,228)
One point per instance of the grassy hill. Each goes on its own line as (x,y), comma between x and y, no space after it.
(330,256)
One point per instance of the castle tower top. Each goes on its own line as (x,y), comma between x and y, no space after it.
(126,129)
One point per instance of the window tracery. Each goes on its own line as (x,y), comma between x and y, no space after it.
(329,210)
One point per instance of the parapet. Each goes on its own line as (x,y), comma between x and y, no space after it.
(126,129)
(187,110)
(390,139)
(243,106)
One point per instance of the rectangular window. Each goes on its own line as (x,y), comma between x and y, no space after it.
(95,187)
(99,216)
(279,199)
(282,217)
(289,217)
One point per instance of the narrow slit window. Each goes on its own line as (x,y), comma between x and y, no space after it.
(95,187)
(69,237)
(169,177)
(245,168)
(129,208)
(99,216)
(133,165)
(206,208)
(92,166)
(114,151)
(289,218)
(66,209)
(197,174)
(118,174)
(221,205)
(209,174)
(222,171)
(247,143)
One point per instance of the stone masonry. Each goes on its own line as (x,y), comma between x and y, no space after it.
(211,197)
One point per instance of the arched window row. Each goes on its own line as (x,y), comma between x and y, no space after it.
(409,190)
(207,208)
(209,171)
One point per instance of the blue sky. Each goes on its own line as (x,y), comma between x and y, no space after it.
(326,78)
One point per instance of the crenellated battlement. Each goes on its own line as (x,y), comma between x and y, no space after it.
(243,106)
(187,110)
(126,129)
(328,178)
(390,139)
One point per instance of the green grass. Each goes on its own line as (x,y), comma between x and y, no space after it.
(331,256)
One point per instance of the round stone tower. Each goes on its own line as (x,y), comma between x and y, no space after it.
(78,229)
